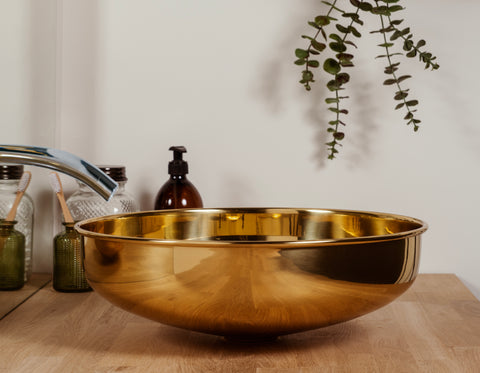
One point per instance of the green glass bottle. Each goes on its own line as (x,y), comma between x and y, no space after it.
(12,256)
(68,270)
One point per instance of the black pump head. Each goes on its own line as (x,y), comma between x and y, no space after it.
(178,167)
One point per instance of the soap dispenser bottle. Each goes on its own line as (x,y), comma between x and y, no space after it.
(178,191)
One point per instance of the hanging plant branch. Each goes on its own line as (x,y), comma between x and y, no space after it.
(338,43)
(315,47)
(391,69)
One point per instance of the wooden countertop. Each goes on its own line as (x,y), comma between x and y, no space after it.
(433,327)
(9,300)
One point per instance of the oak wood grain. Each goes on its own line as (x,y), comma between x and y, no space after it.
(433,327)
(11,299)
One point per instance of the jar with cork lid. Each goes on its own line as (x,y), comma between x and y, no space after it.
(10,176)
(84,203)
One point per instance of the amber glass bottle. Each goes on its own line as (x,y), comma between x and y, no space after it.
(178,192)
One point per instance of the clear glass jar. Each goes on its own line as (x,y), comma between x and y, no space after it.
(12,256)
(10,176)
(85,203)
(68,254)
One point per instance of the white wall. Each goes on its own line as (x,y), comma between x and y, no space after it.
(134,78)
(28,31)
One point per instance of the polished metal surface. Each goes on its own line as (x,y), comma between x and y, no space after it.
(60,161)
(251,273)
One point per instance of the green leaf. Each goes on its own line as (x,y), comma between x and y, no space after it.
(386,55)
(301,53)
(421,43)
(322,20)
(307,76)
(338,111)
(390,81)
(412,53)
(339,136)
(336,37)
(400,95)
(395,35)
(386,45)
(354,32)
(366,7)
(337,47)
(342,78)
(399,106)
(350,43)
(395,8)
(332,85)
(404,77)
(342,29)
(391,69)
(301,62)
(313,63)
(384,30)
(411,103)
(381,10)
(332,100)
(407,45)
(331,66)
(324,34)
(345,59)
(318,46)
(354,17)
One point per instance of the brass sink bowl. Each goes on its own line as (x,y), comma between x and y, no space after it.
(251,273)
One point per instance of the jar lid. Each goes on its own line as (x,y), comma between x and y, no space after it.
(7,224)
(117,173)
(11,171)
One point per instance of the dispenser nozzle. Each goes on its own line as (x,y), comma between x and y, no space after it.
(178,167)
(178,152)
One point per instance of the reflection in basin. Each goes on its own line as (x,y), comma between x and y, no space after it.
(250,272)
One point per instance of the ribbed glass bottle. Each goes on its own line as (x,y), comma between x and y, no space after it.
(10,176)
(85,204)
(12,256)
(68,270)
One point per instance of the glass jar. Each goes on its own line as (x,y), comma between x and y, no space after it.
(68,270)
(12,256)
(10,176)
(85,203)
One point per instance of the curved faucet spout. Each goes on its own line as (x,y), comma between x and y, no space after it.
(61,161)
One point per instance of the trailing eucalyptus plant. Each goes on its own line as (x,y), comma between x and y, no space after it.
(345,25)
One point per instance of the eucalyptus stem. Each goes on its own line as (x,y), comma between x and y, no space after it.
(337,135)
(396,80)
(309,49)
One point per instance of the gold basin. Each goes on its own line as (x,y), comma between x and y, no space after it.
(251,272)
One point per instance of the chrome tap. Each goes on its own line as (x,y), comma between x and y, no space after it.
(61,161)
